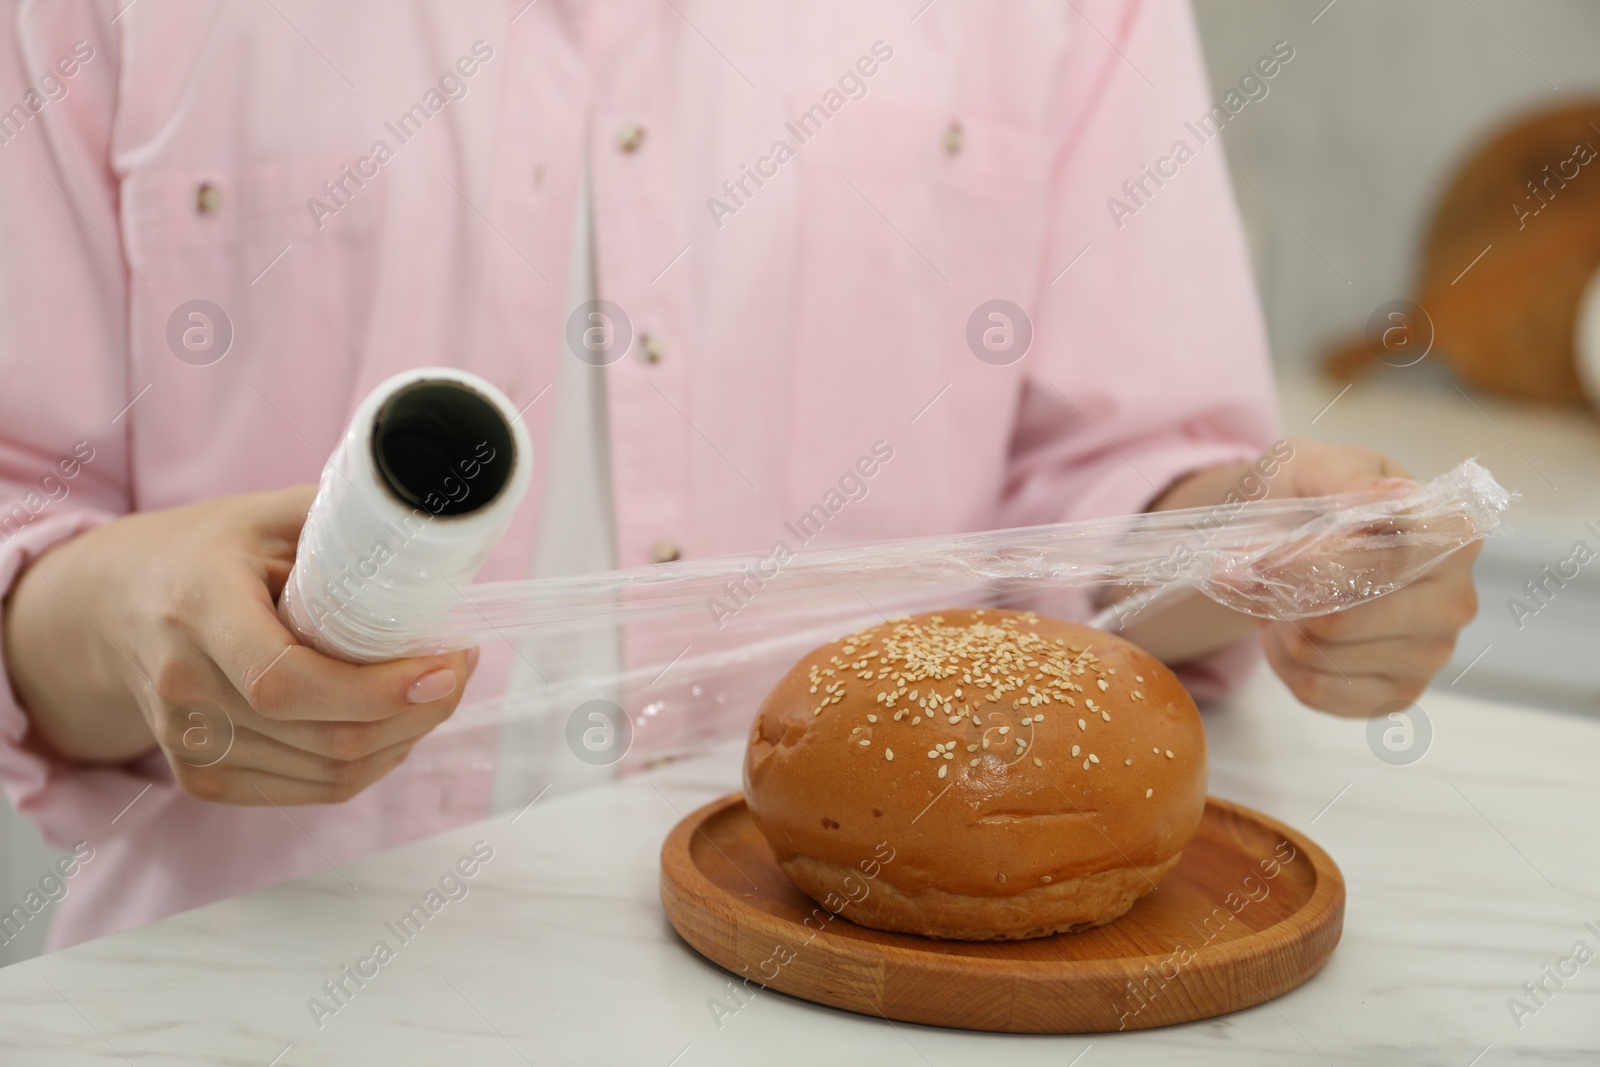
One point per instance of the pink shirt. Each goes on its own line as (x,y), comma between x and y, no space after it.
(365,187)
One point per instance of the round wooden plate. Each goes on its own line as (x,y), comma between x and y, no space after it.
(1252,910)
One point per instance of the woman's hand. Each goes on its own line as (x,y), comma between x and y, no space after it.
(1354,662)
(1351,662)
(158,630)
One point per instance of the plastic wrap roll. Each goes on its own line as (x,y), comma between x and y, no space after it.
(424,482)
(1290,558)
(436,462)
(712,636)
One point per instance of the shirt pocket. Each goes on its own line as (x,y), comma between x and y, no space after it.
(283,294)
(909,219)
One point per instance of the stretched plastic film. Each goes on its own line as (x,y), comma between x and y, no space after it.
(703,640)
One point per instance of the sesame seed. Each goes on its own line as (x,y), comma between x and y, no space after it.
(972,748)
(872,718)
(1004,730)
(1045,879)
(1026,721)
(915,719)
(1103,684)
(865,741)
(1039,717)
(1085,764)
(1082,725)
(1148,793)
(972,763)
(933,754)
(1037,762)
(1093,758)
(1128,762)
(888,754)
(1157,751)
(1169,753)
(942,769)
(1138,677)
(1075,751)
(1104,714)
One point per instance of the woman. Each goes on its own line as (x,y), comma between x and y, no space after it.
(222,228)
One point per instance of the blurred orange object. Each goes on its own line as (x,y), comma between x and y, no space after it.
(1510,249)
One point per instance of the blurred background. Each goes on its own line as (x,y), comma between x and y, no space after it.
(1381,125)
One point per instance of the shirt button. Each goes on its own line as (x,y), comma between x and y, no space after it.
(664,552)
(954,137)
(630,137)
(207,199)
(650,348)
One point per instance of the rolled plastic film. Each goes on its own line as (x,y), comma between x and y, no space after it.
(413,499)
(707,638)
(717,641)
(1275,559)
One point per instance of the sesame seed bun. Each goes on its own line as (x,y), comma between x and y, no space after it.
(1066,787)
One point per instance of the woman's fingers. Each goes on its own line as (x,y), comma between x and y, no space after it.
(1327,688)
(1355,679)
(1321,468)
(210,732)
(1438,604)
(203,735)
(235,624)
(1398,658)
(252,786)
(354,740)
(305,685)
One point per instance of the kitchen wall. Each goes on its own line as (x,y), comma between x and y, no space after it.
(23,860)
(1359,131)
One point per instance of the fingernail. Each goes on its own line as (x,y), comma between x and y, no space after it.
(472,659)
(435,685)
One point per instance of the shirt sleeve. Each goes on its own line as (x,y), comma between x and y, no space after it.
(1149,359)
(63,357)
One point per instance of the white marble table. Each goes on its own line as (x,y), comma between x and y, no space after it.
(1468,871)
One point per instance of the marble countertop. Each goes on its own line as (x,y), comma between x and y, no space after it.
(1469,871)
